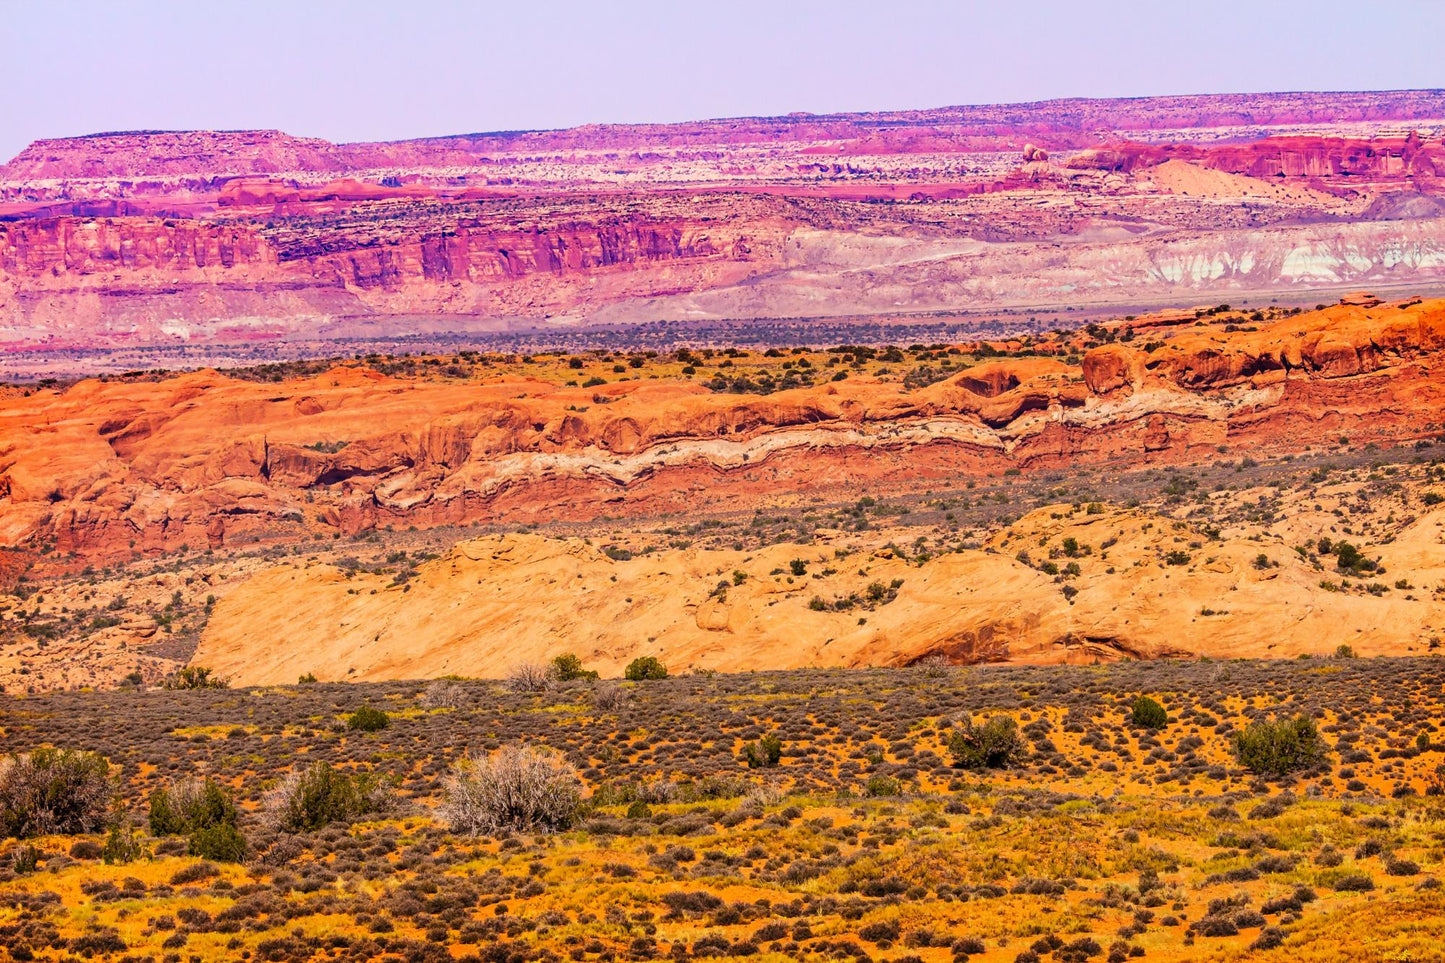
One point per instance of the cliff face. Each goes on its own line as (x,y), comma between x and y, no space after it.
(51,248)
(56,247)
(198,459)
(88,278)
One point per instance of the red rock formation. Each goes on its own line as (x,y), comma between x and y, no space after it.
(53,257)
(154,240)
(67,245)
(200,459)
(1310,158)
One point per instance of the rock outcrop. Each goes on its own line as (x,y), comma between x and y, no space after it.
(107,468)
(1317,159)
(494,603)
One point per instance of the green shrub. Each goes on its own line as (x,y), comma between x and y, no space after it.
(997,744)
(367,719)
(645,667)
(1148,713)
(568,668)
(1351,561)
(222,842)
(189,806)
(309,800)
(54,791)
(122,845)
(1279,746)
(882,786)
(763,754)
(26,859)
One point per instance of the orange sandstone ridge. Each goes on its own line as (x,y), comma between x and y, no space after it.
(493,603)
(105,469)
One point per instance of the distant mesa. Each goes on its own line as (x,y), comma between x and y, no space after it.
(124,249)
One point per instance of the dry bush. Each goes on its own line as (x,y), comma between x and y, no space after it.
(657,792)
(530,677)
(609,698)
(517,788)
(443,694)
(936,666)
(51,791)
(763,794)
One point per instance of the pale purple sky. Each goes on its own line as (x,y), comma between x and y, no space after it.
(364,70)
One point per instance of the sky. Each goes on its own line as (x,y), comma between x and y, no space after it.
(363,70)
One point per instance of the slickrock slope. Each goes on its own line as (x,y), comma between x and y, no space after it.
(105,469)
(493,603)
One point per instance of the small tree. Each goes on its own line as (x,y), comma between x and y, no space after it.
(1276,747)
(367,719)
(122,845)
(568,668)
(48,791)
(204,811)
(516,789)
(189,806)
(309,800)
(997,744)
(222,843)
(765,753)
(645,667)
(1148,713)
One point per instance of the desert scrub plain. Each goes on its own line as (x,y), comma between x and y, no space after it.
(1168,810)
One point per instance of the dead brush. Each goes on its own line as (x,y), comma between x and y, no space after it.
(443,694)
(516,789)
(530,677)
(609,698)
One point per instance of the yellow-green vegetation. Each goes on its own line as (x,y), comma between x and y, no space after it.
(932,813)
